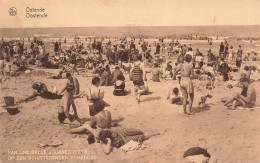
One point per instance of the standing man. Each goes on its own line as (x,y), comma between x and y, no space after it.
(221,48)
(139,76)
(239,56)
(158,48)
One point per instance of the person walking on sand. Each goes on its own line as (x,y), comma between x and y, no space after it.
(139,76)
(186,84)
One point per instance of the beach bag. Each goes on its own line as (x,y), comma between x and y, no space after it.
(97,106)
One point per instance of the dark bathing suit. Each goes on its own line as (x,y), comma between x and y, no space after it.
(137,75)
(62,117)
(119,90)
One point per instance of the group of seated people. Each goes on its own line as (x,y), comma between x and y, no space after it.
(101,123)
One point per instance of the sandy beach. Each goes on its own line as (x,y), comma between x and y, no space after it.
(233,136)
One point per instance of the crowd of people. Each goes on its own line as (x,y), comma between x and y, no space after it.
(133,58)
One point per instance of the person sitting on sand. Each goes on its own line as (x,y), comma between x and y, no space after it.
(120,86)
(117,137)
(173,96)
(156,73)
(139,76)
(106,77)
(67,101)
(246,99)
(95,97)
(116,73)
(186,82)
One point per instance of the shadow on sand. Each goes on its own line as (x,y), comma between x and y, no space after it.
(200,109)
(151,98)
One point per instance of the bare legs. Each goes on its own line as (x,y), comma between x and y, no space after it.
(185,99)
(138,91)
(147,136)
(190,101)
(236,101)
(78,130)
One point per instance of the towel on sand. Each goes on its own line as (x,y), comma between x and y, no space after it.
(131,146)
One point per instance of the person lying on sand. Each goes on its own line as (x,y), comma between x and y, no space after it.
(117,137)
(41,90)
(59,76)
(100,120)
(246,99)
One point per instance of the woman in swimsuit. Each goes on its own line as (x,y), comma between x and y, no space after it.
(67,101)
(120,86)
(186,82)
(95,97)
(116,137)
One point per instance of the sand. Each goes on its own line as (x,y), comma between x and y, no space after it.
(233,136)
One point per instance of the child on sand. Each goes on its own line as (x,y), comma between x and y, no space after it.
(186,82)
(174,96)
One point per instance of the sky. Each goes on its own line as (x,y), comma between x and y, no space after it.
(93,13)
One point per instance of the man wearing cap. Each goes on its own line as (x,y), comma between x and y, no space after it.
(247,98)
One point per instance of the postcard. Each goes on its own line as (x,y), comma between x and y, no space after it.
(129,81)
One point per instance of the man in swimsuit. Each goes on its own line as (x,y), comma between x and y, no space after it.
(139,76)
(246,99)
(186,84)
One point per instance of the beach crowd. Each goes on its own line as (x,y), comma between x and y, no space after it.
(111,60)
